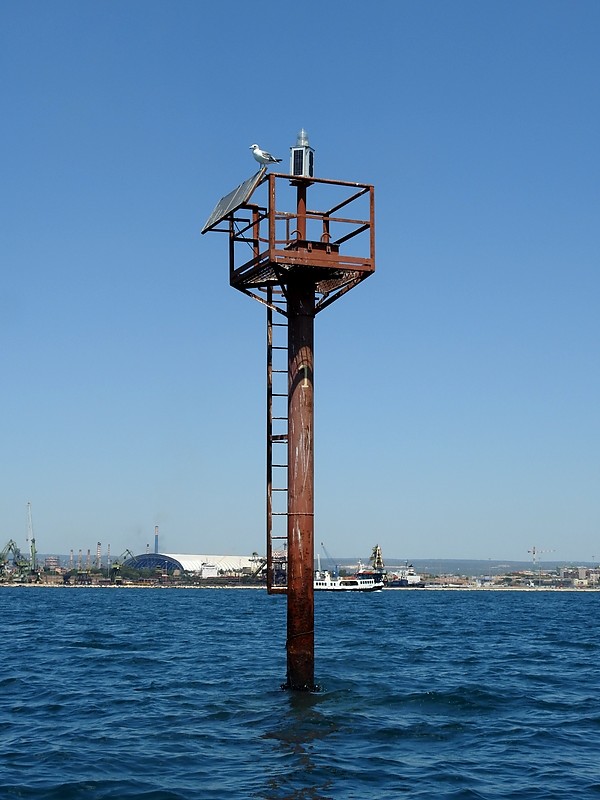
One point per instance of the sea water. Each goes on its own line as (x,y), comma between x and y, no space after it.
(173,694)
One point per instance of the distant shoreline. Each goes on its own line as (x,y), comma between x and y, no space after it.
(413,590)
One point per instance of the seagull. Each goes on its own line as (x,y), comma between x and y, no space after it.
(262,156)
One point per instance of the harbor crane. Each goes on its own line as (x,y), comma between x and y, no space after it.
(330,559)
(115,572)
(123,557)
(31,540)
(535,554)
(12,561)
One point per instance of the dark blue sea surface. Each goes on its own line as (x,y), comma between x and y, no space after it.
(175,694)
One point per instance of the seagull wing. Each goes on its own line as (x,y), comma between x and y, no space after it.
(269,157)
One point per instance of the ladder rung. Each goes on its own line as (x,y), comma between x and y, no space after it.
(274,381)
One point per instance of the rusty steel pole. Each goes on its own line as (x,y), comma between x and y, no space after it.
(300,600)
(300,591)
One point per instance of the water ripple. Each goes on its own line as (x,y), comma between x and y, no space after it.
(175,695)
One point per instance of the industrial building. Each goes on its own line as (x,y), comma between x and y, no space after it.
(205,566)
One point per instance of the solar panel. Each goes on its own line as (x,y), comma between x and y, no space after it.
(233,200)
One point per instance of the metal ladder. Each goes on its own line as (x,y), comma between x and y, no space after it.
(277,439)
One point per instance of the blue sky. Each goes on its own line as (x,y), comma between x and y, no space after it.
(457,390)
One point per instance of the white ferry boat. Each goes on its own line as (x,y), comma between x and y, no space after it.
(325,582)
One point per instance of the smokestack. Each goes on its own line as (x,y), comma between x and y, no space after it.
(155,539)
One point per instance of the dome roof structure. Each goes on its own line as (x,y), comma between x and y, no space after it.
(193,563)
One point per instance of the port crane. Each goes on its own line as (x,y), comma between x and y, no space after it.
(260,564)
(31,540)
(535,554)
(330,559)
(11,559)
(115,572)
(122,558)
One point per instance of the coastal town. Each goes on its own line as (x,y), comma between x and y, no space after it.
(18,568)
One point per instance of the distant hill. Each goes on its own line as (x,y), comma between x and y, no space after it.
(429,566)
(465,566)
